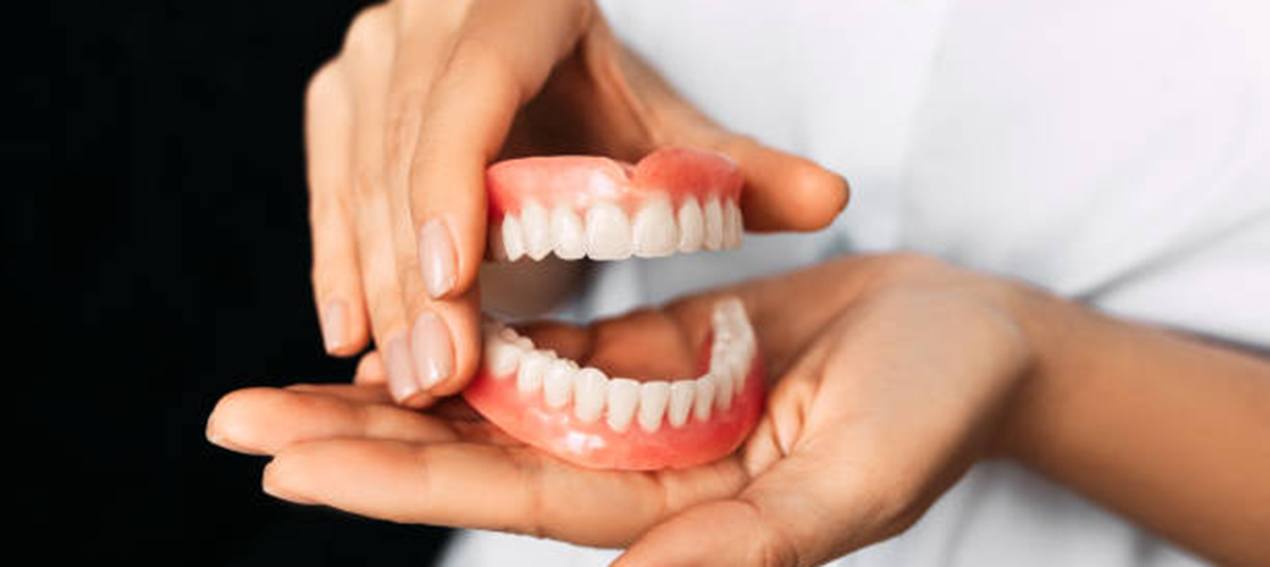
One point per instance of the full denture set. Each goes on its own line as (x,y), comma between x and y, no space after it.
(674,200)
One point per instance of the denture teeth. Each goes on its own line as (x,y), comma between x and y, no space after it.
(566,231)
(557,383)
(513,238)
(703,403)
(691,226)
(608,232)
(590,391)
(732,225)
(714,224)
(537,229)
(623,398)
(654,396)
(655,233)
(533,365)
(681,397)
(723,391)
(501,356)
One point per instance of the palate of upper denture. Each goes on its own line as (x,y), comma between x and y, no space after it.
(674,200)
(585,416)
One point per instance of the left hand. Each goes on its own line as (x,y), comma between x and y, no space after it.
(893,375)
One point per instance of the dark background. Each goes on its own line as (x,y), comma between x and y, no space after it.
(168,264)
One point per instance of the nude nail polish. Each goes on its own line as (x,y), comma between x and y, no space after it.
(437,258)
(333,321)
(401,378)
(433,349)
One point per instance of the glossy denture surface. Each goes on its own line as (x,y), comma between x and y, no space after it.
(673,200)
(587,417)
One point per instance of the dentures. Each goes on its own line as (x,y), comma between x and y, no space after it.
(585,416)
(673,200)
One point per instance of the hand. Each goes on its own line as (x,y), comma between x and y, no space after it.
(894,374)
(401,124)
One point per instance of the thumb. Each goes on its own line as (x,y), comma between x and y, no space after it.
(802,511)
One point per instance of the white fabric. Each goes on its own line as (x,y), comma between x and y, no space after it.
(1113,152)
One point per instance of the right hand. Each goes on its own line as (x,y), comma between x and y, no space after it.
(401,124)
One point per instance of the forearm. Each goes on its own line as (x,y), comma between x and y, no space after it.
(1169,431)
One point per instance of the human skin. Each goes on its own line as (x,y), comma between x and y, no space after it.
(891,376)
(400,126)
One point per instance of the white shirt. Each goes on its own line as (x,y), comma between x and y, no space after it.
(1117,153)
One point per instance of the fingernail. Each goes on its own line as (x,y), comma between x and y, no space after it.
(333,325)
(436,258)
(433,350)
(401,379)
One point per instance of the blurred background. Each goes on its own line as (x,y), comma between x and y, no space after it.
(176,238)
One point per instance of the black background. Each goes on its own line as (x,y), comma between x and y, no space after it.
(168,264)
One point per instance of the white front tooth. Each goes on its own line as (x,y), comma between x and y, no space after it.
(742,366)
(681,397)
(533,365)
(557,383)
(566,231)
(537,227)
(692,229)
(703,402)
(714,224)
(653,398)
(732,224)
(623,399)
(723,390)
(590,391)
(654,229)
(513,237)
(501,356)
(608,232)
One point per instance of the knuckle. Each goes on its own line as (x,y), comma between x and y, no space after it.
(370,32)
(405,117)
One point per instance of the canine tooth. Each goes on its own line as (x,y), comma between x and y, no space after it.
(723,391)
(557,383)
(703,402)
(623,399)
(654,230)
(513,238)
(653,398)
(532,367)
(732,224)
(566,231)
(537,228)
(590,390)
(692,230)
(501,357)
(608,232)
(681,395)
(714,224)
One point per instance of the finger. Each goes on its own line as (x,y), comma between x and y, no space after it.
(368,50)
(336,274)
(489,74)
(783,191)
(263,421)
(489,487)
(370,369)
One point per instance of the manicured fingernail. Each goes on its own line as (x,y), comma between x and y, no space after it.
(433,350)
(333,325)
(436,258)
(401,376)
